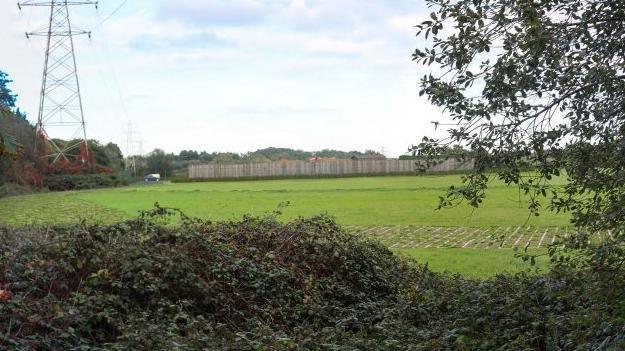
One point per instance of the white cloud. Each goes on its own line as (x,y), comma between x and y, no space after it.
(405,23)
(211,12)
(334,46)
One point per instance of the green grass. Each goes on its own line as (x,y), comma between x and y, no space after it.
(366,201)
(405,200)
(54,208)
(475,263)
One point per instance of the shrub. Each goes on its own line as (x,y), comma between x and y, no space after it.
(12,189)
(62,182)
(258,284)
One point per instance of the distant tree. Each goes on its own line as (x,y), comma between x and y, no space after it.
(188,155)
(262,155)
(22,166)
(7,97)
(158,161)
(257,158)
(114,155)
(275,154)
(8,144)
(100,155)
(337,153)
(226,157)
(205,156)
(373,153)
(141,165)
(20,114)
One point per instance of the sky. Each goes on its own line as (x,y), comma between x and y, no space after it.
(237,75)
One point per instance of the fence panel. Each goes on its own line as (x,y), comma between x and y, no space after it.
(320,168)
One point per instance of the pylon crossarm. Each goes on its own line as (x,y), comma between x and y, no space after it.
(59,34)
(52,3)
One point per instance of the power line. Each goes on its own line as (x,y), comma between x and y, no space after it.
(119,7)
(105,54)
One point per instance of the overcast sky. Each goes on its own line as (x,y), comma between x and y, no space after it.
(238,75)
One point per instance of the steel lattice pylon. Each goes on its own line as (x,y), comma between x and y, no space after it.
(60,103)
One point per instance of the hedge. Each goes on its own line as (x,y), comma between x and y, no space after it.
(62,182)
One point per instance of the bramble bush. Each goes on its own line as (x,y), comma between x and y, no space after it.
(260,284)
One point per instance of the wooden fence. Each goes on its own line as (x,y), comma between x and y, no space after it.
(330,168)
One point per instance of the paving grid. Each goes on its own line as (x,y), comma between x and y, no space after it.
(406,236)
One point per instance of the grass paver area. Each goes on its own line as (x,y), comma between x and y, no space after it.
(367,201)
(476,263)
(401,237)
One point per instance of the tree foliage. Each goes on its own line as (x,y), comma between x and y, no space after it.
(533,84)
(268,154)
(8,145)
(159,162)
(114,155)
(109,155)
(7,97)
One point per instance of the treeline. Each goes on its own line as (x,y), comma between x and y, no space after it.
(269,154)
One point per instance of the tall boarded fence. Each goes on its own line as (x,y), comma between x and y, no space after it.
(337,168)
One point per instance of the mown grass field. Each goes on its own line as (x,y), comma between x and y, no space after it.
(477,263)
(355,202)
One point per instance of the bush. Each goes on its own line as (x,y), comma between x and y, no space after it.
(258,284)
(63,182)
(12,189)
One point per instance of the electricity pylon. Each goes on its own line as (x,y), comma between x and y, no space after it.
(60,103)
(130,149)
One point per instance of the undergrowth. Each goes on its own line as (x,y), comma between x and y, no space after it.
(259,284)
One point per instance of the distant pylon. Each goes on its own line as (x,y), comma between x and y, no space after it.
(130,149)
(60,102)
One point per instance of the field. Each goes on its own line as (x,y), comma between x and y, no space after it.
(476,263)
(399,211)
